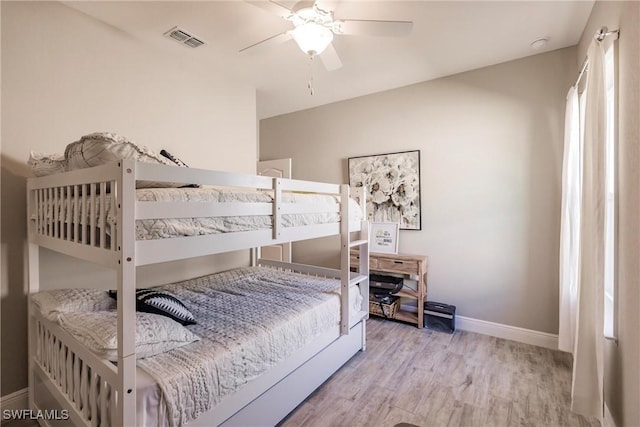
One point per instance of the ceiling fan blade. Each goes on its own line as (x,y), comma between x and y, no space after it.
(376,28)
(271,7)
(328,4)
(330,58)
(271,41)
(302,4)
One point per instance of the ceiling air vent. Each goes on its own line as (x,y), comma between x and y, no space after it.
(181,36)
(193,42)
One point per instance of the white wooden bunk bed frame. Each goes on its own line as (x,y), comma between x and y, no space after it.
(62,367)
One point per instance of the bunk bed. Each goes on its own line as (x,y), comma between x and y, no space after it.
(97,214)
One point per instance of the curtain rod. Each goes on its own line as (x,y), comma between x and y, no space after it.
(600,35)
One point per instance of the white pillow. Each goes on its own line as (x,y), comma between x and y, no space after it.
(53,303)
(98,331)
(46,164)
(101,148)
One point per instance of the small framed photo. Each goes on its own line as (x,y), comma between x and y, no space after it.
(384,237)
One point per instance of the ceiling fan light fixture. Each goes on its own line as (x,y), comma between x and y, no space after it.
(312,38)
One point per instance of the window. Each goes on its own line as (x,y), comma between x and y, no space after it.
(610,326)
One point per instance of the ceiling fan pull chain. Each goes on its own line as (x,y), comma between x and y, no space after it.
(310,84)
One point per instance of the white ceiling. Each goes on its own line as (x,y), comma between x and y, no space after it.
(448,37)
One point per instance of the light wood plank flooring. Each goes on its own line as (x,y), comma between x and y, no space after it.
(416,377)
(410,376)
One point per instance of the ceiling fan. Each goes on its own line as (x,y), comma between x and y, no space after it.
(314,27)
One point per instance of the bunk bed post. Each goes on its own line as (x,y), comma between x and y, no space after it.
(363,267)
(33,279)
(362,244)
(277,207)
(126,385)
(254,255)
(345,268)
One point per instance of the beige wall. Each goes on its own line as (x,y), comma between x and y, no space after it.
(622,360)
(490,142)
(65,75)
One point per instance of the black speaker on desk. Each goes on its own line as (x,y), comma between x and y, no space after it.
(440,317)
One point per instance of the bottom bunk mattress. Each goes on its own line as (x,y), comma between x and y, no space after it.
(248,320)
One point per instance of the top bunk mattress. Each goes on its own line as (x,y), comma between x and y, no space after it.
(323,209)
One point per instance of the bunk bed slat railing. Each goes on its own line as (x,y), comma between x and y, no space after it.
(68,369)
(78,207)
(92,216)
(304,208)
(161,250)
(82,380)
(310,186)
(101,215)
(84,214)
(67,218)
(93,400)
(155,210)
(161,173)
(68,213)
(301,268)
(56,213)
(76,213)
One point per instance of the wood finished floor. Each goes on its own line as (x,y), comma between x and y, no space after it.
(410,376)
(416,377)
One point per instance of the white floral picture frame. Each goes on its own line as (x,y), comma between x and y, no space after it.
(392,183)
(384,237)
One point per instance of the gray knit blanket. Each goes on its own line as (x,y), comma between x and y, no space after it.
(249,319)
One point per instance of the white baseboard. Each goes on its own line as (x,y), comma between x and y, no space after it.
(514,333)
(16,400)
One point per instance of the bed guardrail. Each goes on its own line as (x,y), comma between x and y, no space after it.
(75,213)
(84,382)
(80,213)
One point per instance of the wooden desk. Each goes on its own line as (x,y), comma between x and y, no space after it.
(406,265)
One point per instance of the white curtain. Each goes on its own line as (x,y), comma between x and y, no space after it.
(570,223)
(587,388)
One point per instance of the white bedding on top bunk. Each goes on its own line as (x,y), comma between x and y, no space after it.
(249,320)
(164,228)
(149,229)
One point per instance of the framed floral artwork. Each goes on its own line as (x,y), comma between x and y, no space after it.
(392,183)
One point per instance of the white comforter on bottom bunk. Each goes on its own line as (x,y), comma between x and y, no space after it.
(248,320)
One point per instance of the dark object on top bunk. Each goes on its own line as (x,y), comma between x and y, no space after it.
(180,163)
(384,285)
(164,304)
(440,317)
